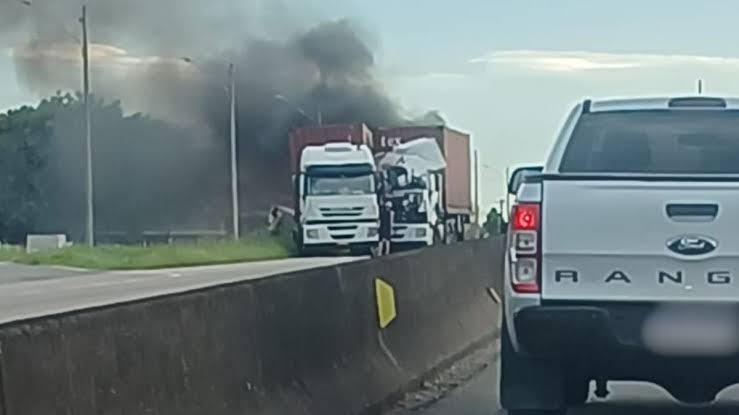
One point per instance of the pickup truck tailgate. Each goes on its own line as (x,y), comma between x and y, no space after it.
(640,240)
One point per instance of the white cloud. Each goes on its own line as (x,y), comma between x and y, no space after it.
(425,77)
(571,61)
(100,55)
(441,76)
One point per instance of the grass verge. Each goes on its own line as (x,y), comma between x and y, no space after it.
(9,253)
(255,248)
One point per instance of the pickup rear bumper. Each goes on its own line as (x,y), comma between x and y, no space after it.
(609,330)
(608,342)
(561,331)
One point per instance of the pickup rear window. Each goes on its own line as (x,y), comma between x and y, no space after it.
(655,141)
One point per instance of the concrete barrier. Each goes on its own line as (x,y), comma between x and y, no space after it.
(301,343)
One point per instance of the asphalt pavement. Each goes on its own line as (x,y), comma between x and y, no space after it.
(10,272)
(479,397)
(28,292)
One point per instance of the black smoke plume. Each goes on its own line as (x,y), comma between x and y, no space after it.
(169,58)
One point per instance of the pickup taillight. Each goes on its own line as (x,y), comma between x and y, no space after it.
(524,247)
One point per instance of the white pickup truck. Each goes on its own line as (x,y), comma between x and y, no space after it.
(623,256)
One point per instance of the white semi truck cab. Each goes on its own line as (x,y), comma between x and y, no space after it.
(413,179)
(337,191)
(415,200)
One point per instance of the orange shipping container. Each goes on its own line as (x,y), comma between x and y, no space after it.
(319,135)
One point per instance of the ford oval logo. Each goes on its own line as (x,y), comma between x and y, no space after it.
(692,245)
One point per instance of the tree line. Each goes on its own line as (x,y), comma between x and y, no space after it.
(148,174)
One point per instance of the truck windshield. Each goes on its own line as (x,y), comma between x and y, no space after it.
(400,178)
(409,208)
(340,185)
(661,142)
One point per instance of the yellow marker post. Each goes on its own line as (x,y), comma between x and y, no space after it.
(385,295)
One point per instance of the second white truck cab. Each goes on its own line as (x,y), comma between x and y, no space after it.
(415,199)
(623,256)
(412,173)
(338,204)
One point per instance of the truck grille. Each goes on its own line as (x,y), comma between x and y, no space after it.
(343,228)
(399,231)
(341,212)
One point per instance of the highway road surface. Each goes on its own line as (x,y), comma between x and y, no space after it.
(27,292)
(10,272)
(478,397)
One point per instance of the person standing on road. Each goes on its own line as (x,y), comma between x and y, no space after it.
(386,228)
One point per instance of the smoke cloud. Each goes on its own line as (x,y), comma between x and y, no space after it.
(138,48)
(169,58)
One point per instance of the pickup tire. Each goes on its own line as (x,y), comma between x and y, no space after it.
(577,392)
(530,386)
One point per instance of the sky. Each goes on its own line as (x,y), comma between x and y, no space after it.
(508,71)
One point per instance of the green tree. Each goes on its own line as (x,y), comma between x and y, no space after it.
(23,138)
(148,174)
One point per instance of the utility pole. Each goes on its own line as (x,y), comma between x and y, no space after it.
(234,147)
(88,128)
(230,89)
(700,87)
(477,188)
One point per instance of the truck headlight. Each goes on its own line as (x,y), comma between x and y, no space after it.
(421,233)
(312,234)
(371,232)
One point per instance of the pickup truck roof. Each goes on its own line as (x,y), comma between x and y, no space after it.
(663,103)
(615,106)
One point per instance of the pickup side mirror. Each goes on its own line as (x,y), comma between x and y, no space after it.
(519,176)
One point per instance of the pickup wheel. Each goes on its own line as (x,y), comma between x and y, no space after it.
(530,386)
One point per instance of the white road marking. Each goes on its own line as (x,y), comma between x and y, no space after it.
(494,295)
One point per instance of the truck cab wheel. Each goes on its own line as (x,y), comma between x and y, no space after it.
(450,235)
(298,240)
(437,234)
(361,250)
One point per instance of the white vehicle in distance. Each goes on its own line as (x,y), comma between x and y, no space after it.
(623,256)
